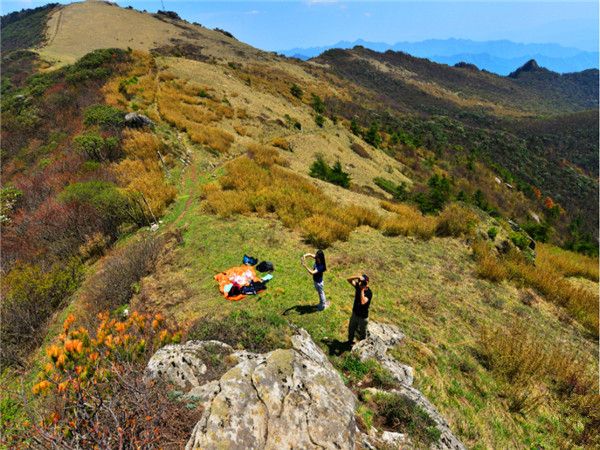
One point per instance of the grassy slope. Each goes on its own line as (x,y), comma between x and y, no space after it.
(428,288)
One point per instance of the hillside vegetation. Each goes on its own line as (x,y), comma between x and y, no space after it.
(377,158)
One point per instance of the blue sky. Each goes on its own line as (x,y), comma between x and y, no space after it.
(278,25)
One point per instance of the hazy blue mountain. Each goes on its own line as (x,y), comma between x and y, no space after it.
(501,57)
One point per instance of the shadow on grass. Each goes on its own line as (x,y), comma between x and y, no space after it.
(337,348)
(301,309)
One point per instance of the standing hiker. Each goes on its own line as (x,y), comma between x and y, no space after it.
(317,273)
(360,310)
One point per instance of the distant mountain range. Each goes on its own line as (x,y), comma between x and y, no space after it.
(501,57)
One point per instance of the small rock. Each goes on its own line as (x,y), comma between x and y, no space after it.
(136,120)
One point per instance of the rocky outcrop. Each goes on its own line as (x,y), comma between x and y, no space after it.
(287,398)
(381,338)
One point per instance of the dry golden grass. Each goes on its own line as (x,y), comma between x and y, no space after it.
(257,183)
(488,264)
(532,365)
(281,143)
(456,220)
(408,221)
(569,264)
(213,137)
(265,156)
(546,276)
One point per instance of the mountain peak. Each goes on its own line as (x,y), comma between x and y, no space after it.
(529,66)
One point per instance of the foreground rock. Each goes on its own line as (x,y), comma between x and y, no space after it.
(284,399)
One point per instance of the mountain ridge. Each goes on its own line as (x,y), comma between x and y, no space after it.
(500,57)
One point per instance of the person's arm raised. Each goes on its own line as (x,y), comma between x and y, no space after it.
(352,280)
(363,297)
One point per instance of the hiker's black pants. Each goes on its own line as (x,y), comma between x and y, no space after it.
(357,324)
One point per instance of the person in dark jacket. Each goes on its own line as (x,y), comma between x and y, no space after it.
(360,311)
(317,273)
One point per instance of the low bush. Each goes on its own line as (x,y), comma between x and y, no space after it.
(492,232)
(334,174)
(319,120)
(436,197)
(92,391)
(400,414)
(104,116)
(114,284)
(296,91)
(30,296)
(317,104)
(241,329)
(456,220)
(103,198)
(96,148)
(407,221)
(321,231)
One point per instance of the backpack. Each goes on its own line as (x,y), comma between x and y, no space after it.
(265,266)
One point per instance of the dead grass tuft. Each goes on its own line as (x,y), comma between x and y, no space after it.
(265,156)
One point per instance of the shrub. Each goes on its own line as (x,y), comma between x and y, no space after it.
(372,135)
(335,174)
(492,232)
(255,333)
(398,191)
(402,414)
(321,231)
(97,148)
(519,239)
(317,104)
(360,150)
(95,394)
(354,128)
(30,297)
(296,91)
(437,196)
(320,120)
(94,246)
(113,285)
(98,64)
(407,221)
(103,197)
(104,115)
(456,220)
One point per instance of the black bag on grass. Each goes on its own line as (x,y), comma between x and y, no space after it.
(265,266)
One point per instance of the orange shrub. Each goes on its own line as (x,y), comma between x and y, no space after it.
(94,388)
(322,231)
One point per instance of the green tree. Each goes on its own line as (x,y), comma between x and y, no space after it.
(372,135)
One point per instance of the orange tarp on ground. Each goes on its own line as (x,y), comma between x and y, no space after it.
(241,275)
